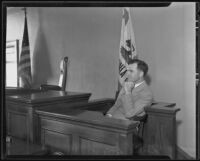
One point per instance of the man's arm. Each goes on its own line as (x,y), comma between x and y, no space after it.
(133,108)
(117,104)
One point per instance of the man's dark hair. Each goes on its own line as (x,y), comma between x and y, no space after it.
(141,65)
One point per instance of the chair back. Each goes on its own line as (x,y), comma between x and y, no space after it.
(63,73)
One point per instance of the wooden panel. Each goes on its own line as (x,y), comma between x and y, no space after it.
(18,90)
(66,128)
(15,107)
(20,147)
(126,143)
(86,139)
(160,134)
(160,138)
(58,142)
(94,147)
(18,125)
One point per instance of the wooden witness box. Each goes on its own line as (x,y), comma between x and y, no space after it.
(21,119)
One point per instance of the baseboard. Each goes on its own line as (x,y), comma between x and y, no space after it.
(182,155)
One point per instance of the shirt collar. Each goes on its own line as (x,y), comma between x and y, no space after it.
(137,84)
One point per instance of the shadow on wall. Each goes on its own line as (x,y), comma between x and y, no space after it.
(178,124)
(41,62)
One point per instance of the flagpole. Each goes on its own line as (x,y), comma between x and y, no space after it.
(118,82)
(24,8)
(118,89)
(119,86)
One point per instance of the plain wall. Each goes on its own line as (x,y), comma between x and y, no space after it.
(165,39)
(167,43)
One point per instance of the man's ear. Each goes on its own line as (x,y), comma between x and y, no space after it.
(141,74)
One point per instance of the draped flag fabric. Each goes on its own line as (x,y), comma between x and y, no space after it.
(24,68)
(127,49)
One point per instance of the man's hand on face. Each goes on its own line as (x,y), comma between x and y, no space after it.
(128,87)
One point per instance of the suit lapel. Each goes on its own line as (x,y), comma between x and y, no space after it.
(139,88)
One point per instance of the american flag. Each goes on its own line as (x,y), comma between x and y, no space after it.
(127,48)
(24,68)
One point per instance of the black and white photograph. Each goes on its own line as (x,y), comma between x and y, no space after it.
(100,80)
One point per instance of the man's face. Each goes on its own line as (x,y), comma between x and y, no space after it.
(133,74)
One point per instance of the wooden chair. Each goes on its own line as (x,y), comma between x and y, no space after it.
(62,80)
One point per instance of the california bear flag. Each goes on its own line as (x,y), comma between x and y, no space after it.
(127,49)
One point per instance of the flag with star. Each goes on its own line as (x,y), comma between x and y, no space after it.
(24,68)
(127,48)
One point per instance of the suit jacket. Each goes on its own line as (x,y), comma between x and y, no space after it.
(129,105)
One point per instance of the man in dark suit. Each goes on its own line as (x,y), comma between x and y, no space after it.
(135,93)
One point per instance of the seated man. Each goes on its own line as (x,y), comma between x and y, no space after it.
(135,93)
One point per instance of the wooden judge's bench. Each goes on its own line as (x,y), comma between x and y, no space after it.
(68,124)
(22,120)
